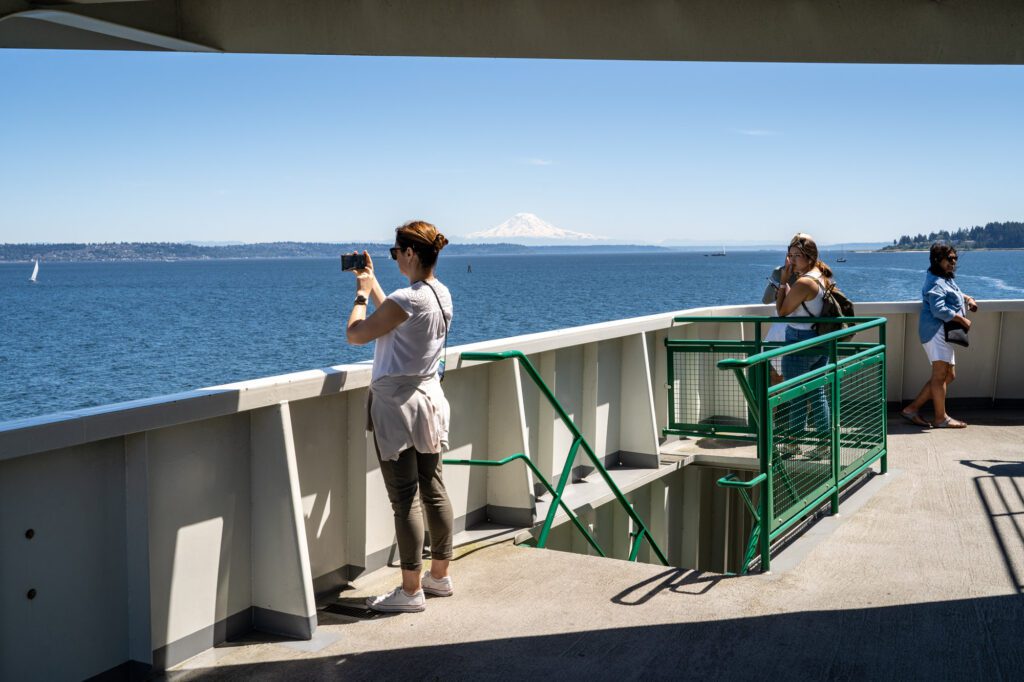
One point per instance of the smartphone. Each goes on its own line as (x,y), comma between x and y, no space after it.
(353,261)
(775,285)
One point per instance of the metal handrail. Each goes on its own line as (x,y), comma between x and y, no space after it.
(730,481)
(752,376)
(536,472)
(578,442)
(871,323)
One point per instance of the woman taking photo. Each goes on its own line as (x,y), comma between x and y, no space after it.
(408,412)
(804,298)
(942,301)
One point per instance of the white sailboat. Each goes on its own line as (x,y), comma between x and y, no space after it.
(35,271)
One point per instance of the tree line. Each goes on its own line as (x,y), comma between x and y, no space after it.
(155,251)
(121,251)
(1007,235)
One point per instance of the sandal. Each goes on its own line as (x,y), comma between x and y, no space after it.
(914,418)
(950,423)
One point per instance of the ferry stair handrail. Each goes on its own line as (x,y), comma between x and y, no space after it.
(757,394)
(557,492)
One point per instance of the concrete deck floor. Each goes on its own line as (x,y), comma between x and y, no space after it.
(923,580)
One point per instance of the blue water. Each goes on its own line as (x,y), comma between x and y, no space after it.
(96,333)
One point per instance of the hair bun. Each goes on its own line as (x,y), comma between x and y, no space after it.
(440,241)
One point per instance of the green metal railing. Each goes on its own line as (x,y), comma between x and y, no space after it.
(557,491)
(815,432)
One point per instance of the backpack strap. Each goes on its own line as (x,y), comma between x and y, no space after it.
(824,291)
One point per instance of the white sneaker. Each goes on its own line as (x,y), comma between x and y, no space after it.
(439,587)
(397,601)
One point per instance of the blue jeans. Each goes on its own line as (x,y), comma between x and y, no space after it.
(795,365)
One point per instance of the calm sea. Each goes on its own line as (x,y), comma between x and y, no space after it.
(95,333)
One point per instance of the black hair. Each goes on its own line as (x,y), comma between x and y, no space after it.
(936,254)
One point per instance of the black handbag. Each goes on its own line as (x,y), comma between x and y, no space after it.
(956,333)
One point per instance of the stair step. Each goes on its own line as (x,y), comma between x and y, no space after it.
(588,493)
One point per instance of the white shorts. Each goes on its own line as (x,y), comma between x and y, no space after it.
(938,350)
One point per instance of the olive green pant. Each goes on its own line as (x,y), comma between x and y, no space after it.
(414,481)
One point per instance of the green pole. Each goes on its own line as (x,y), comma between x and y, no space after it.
(764,454)
(834,444)
(884,406)
(566,472)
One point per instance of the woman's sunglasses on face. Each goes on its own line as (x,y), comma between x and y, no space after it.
(394,251)
(951,259)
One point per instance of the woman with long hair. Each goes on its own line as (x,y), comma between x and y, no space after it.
(408,412)
(941,302)
(803,298)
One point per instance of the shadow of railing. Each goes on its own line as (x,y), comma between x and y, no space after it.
(675,581)
(1001,496)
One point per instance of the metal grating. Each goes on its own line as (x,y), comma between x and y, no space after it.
(801,451)
(861,416)
(704,394)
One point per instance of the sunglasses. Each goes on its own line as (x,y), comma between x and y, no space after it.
(394,251)
(951,259)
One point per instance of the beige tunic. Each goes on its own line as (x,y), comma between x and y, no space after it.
(408,412)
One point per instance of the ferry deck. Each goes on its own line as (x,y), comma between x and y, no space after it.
(230,532)
(236,529)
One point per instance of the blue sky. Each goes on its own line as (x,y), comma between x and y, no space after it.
(176,147)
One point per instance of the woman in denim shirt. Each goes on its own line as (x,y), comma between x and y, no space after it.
(942,301)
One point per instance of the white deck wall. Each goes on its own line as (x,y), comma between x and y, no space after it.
(159,526)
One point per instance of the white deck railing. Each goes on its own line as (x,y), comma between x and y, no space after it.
(159,526)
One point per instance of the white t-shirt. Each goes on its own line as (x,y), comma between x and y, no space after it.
(413,348)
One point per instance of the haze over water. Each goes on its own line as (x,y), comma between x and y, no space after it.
(96,333)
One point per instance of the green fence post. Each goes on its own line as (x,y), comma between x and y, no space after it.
(834,444)
(884,405)
(764,454)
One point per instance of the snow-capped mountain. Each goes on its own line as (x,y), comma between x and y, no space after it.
(526,226)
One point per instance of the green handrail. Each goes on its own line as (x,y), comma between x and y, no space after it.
(760,398)
(578,442)
(536,472)
(731,481)
(737,363)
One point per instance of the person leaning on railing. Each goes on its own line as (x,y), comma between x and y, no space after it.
(942,301)
(804,298)
(408,412)
(777,331)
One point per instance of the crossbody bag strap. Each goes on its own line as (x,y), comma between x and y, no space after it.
(444,319)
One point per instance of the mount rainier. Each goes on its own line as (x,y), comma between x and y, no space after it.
(526,226)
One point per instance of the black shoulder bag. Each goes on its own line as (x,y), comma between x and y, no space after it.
(956,333)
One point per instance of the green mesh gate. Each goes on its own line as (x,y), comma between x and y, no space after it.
(815,431)
(703,400)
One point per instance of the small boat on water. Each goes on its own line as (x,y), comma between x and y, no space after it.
(35,272)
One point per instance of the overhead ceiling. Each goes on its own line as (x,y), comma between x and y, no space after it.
(871,31)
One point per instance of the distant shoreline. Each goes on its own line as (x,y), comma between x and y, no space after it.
(100,253)
(960,250)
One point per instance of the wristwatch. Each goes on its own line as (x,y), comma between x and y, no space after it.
(360,300)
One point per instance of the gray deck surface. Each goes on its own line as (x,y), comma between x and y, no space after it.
(921,577)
